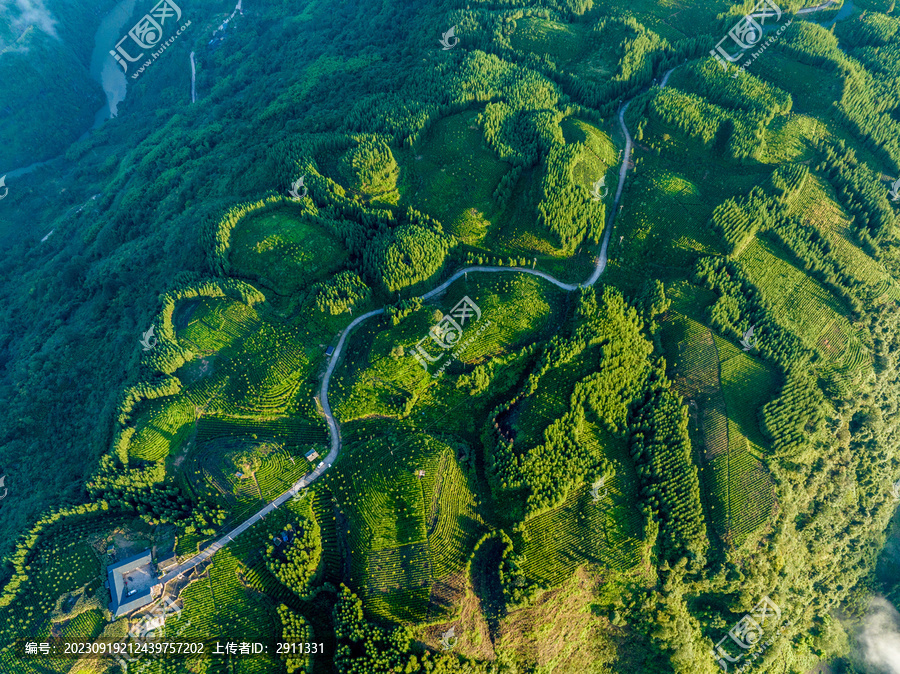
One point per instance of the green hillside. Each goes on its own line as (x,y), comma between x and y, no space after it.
(360,319)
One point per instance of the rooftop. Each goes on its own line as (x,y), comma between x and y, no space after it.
(133,575)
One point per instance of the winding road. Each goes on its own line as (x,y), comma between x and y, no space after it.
(193,79)
(334,430)
(810,10)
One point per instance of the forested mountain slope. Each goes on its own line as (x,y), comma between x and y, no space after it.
(524,472)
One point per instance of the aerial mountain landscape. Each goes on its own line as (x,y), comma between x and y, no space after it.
(484,337)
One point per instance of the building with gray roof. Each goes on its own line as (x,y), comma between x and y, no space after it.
(130,583)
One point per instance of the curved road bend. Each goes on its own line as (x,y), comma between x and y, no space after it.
(334,430)
(810,10)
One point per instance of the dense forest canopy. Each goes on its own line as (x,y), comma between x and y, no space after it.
(489,337)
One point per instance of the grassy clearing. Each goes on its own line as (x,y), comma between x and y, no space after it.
(788,139)
(563,42)
(665,220)
(558,631)
(673,20)
(284,251)
(452,176)
(812,89)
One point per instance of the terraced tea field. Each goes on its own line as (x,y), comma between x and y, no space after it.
(817,204)
(724,389)
(237,600)
(402,529)
(802,305)
(747,384)
(581,531)
(251,371)
(215,323)
(62,562)
(162,425)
